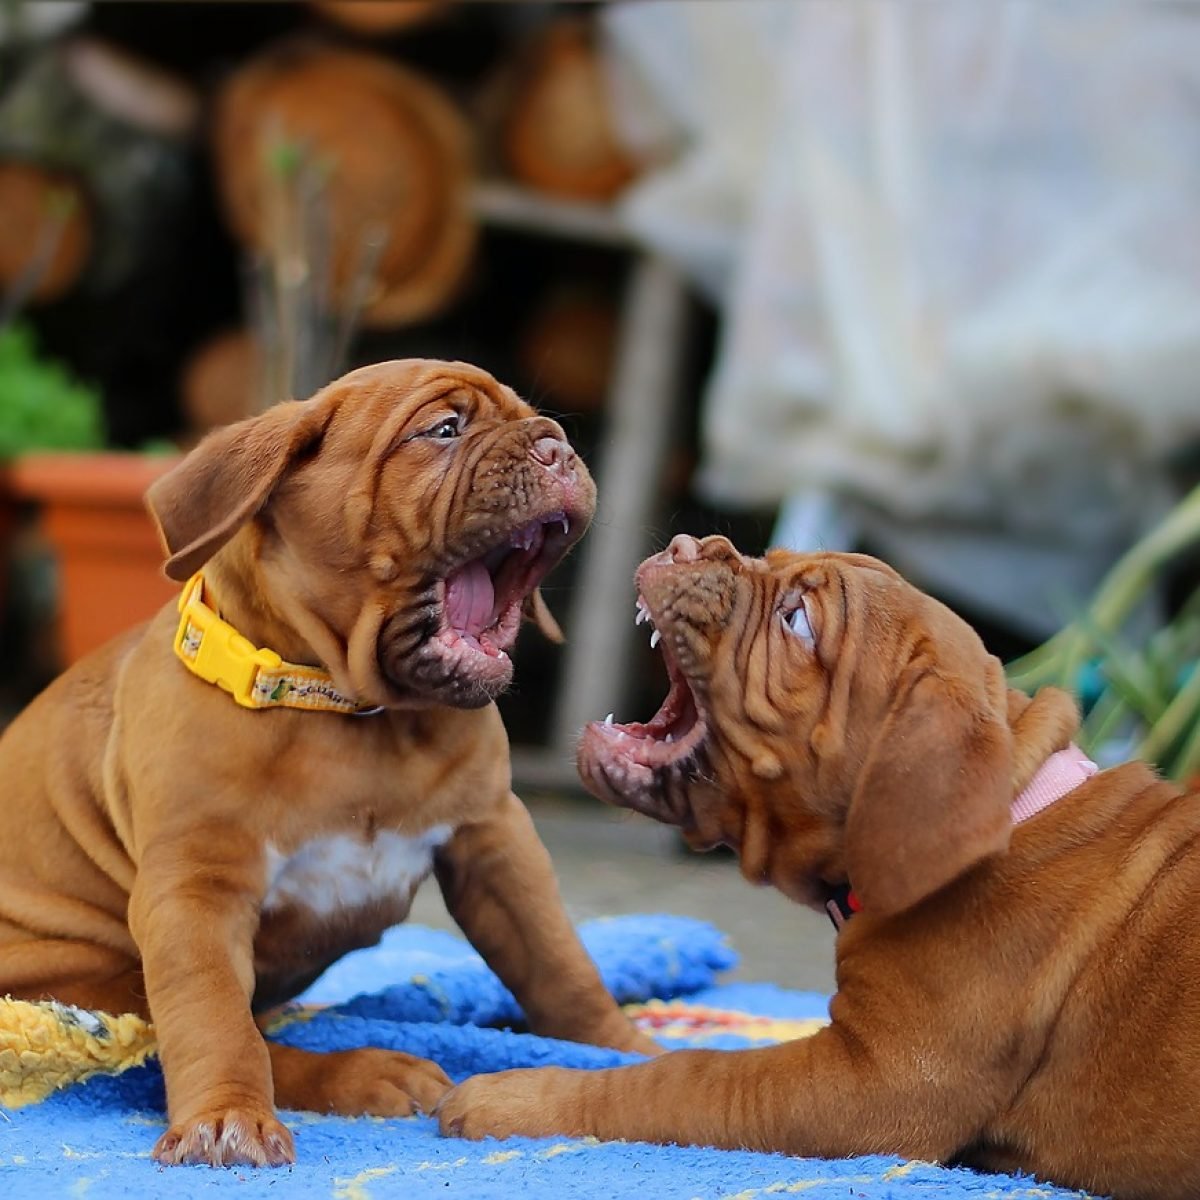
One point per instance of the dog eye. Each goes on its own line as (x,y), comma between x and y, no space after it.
(797,621)
(447,427)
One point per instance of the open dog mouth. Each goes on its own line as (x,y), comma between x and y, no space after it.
(670,738)
(482,597)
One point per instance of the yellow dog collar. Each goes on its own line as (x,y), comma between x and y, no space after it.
(214,651)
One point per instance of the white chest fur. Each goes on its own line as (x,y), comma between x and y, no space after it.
(340,872)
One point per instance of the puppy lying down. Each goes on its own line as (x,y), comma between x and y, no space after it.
(1018,960)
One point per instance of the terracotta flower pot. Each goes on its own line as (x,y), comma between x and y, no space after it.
(109,557)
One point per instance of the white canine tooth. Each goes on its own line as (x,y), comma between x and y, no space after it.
(642,615)
(655,638)
(670,738)
(566,525)
(609,720)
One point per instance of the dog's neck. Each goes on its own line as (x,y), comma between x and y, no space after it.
(252,613)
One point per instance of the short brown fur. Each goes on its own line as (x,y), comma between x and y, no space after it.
(141,801)
(1016,999)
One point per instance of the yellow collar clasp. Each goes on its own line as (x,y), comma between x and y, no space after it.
(256,678)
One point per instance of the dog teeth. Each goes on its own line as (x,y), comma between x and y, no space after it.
(655,638)
(608,721)
(669,738)
(565,524)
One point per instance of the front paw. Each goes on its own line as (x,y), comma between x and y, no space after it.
(227,1138)
(381,1083)
(529,1103)
(353,1083)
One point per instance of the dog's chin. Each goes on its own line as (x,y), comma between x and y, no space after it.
(628,766)
(447,670)
(654,766)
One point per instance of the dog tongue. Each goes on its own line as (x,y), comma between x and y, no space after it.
(469,598)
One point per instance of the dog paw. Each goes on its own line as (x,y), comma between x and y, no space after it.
(228,1138)
(367,1082)
(528,1103)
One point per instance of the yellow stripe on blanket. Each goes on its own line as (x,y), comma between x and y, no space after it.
(45,1045)
(699,1023)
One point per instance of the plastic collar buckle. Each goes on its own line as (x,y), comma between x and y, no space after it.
(223,656)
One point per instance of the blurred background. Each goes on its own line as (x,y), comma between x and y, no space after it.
(919,279)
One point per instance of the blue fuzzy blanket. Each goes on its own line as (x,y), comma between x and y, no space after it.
(428,993)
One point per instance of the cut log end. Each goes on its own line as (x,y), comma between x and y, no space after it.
(46,236)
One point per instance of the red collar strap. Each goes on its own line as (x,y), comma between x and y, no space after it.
(1059,775)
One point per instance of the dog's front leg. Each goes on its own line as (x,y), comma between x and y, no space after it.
(194,913)
(499,886)
(824,1095)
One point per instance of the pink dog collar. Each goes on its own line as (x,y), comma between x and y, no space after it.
(1060,774)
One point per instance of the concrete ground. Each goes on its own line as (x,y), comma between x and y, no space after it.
(611,862)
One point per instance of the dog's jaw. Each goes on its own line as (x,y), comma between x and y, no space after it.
(481,597)
(655,767)
(453,647)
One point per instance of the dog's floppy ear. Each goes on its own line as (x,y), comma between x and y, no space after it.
(537,611)
(934,795)
(200,504)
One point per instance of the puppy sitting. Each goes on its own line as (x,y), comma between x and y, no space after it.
(169,850)
(1018,962)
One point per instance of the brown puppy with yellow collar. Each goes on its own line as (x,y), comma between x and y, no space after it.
(1020,986)
(172,852)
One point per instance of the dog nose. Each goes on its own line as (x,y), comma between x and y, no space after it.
(553,453)
(683,548)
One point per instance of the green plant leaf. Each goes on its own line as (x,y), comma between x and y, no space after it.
(41,406)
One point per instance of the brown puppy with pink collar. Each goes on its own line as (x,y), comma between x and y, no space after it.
(1018,968)
(195,828)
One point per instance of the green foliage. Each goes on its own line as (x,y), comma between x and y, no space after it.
(1146,694)
(41,406)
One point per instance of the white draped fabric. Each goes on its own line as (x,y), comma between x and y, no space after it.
(957,251)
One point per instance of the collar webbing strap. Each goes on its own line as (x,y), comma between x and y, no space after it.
(1061,773)
(256,678)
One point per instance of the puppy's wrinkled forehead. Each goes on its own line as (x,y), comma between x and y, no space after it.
(377,404)
(832,569)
